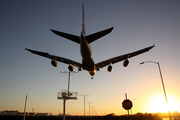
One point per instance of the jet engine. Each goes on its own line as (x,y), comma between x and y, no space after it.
(54,63)
(70,68)
(126,63)
(109,68)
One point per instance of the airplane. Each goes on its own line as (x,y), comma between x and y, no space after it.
(88,63)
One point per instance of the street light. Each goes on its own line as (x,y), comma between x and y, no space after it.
(162,83)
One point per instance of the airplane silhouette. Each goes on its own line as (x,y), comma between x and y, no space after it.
(86,52)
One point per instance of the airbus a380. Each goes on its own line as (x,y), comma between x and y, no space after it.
(86,52)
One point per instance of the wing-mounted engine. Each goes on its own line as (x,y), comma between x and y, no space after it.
(70,68)
(54,63)
(126,63)
(109,68)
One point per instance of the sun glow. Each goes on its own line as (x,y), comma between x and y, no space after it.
(158,104)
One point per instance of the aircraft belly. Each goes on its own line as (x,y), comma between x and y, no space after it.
(88,64)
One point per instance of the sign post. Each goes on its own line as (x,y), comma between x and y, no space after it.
(66,95)
(127,104)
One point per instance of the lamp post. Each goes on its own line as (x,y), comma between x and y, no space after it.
(162,83)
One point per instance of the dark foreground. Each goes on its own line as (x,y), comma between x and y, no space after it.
(81,118)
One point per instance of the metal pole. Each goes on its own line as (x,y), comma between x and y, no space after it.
(64,108)
(67,97)
(89,107)
(126,99)
(162,84)
(68,82)
(69,74)
(84,104)
(164,89)
(25,107)
(92,109)
(84,100)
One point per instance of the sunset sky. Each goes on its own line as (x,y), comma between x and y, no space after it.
(137,24)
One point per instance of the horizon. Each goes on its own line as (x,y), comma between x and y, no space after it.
(158,113)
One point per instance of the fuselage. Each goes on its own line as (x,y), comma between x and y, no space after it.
(87,56)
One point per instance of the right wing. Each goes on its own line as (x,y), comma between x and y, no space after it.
(57,58)
(121,58)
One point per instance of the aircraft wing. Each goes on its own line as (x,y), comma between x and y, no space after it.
(57,58)
(122,57)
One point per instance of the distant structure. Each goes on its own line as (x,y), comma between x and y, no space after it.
(10,112)
(84,100)
(17,113)
(65,95)
(111,114)
(89,107)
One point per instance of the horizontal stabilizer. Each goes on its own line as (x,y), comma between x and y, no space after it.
(67,36)
(91,38)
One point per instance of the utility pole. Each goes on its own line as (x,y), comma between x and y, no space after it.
(92,109)
(89,107)
(84,100)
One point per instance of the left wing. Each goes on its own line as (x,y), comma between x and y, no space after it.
(57,58)
(122,57)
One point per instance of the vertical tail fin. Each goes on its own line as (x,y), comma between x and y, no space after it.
(83,20)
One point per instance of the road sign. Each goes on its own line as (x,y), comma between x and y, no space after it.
(127,104)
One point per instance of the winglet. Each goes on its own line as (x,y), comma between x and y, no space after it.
(25,48)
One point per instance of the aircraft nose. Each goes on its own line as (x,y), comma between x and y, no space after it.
(92,73)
